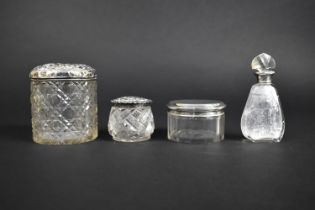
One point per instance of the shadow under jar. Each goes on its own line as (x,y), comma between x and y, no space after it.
(196,121)
(64,103)
(131,119)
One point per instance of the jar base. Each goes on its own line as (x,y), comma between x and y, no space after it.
(263,140)
(131,140)
(82,140)
(195,141)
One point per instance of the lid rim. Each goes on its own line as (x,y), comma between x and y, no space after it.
(131,100)
(196,105)
(94,77)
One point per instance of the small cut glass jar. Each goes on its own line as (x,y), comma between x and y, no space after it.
(64,103)
(196,121)
(131,119)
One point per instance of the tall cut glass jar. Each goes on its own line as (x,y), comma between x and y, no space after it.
(64,103)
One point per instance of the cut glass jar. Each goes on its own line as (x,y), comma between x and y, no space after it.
(196,121)
(64,103)
(131,119)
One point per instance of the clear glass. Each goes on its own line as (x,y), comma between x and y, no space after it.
(131,122)
(64,111)
(196,127)
(262,119)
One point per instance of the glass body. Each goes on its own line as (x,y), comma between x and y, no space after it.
(64,111)
(262,119)
(131,123)
(196,127)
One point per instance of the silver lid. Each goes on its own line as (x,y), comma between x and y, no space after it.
(263,64)
(196,105)
(134,100)
(63,71)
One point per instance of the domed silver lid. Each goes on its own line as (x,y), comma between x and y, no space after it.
(196,105)
(132,100)
(63,71)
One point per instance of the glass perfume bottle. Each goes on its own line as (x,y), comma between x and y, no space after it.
(262,119)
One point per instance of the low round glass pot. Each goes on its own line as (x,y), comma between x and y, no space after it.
(196,121)
(131,119)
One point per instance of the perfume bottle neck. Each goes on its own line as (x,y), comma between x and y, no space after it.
(264,78)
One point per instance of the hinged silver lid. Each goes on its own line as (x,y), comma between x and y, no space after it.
(196,105)
(63,71)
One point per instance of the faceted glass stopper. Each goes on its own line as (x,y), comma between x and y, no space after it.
(263,63)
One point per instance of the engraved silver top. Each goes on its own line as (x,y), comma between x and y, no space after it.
(63,71)
(134,100)
(263,64)
(196,105)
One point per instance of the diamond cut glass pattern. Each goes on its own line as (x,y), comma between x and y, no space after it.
(131,119)
(64,111)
